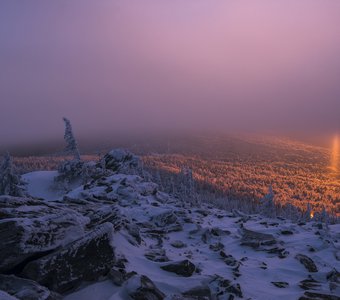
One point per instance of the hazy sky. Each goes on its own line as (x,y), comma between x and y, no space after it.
(126,66)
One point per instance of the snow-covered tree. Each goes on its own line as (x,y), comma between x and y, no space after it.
(268,208)
(71,143)
(291,212)
(186,186)
(324,216)
(9,181)
(307,215)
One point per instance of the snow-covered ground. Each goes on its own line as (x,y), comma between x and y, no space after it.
(227,249)
(165,248)
(40,184)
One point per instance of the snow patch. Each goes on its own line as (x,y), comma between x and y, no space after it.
(41,184)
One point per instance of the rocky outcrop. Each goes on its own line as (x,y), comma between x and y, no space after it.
(31,227)
(120,161)
(83,260)
(24,289)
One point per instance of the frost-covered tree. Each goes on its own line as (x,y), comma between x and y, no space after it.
(9,181)
(307,215)
(268,208)
(71,143)
(291,212)
(186,186)
(324,216)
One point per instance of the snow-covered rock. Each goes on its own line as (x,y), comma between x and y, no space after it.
(120,161)
(30,227)
(83,260)
(24,289)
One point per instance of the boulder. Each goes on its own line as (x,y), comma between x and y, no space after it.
(119,275)
(31,227)
(142,288)
(164,219)
(307,262)
(83,260)
(183,268)
(334,279)
(178,244)
(235,289)
(257,240)
(157,255)
(200,292)
(24,289)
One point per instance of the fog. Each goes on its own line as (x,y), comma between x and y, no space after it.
(158,67)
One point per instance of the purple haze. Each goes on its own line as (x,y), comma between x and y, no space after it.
(137,67)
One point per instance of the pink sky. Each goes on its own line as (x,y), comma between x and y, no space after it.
(153,65)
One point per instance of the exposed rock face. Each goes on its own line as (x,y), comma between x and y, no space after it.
(120,161)
(29,227)
(307,262)
(183,268)
(85,259)
(25,289)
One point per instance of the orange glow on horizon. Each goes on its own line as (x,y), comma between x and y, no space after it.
(335,154)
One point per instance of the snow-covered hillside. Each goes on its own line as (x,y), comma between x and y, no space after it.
(119,237)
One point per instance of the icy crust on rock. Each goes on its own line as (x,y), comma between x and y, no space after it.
(83,260)
(6,296)
(29,226)
(24,289)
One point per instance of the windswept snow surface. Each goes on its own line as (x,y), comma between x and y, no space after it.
(41,184)
(229,250)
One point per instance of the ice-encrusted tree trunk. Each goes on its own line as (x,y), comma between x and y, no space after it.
(9,181)
(71,143)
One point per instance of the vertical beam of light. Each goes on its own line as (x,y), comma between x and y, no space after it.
(335,154)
